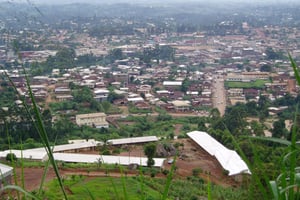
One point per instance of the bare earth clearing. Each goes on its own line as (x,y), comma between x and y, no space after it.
(191,157)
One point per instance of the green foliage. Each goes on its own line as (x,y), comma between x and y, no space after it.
(150,151)
(133,109)
(164,117)
(272,55)
(64,58)
(258,84)
(196,171)
(11,157)
(159,52)
(279,129)
(106,152)
(266,68)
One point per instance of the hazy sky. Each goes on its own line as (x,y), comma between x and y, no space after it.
(142,1)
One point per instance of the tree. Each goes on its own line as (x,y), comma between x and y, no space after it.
(83,94)
(64,58)
(142,94)
(272,55)
(185,85)
(215,113)
(234,119)
(116,54)
(266,68)
(150,151)
(201,125)
(279,129)
(11,157)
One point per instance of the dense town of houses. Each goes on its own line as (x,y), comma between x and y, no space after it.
(221,56)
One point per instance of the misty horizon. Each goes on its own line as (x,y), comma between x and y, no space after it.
(139,2)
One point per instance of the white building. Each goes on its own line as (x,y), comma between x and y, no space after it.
(92,119)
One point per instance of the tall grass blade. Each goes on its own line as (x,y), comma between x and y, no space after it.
(295,68)
(275,191)
(124,184)
(169,179)
(250,166)
(44,177)
(90,194)
(19,189)
(22,167)
(293,150)
(112,183)
(45,173)
(209,196)
(141,178)
(44,137)
(13,164)
(270,139)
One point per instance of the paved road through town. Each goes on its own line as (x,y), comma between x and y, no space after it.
(219,95)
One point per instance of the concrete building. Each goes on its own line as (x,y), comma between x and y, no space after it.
(97,120)
(181,106)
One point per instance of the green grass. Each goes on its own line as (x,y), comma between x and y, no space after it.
(100,188)
(258,84)
(109,188)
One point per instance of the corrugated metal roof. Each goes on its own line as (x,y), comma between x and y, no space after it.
(66,147)
(172,83)
(122,160)
(89,115)
(133,140)
(229,159)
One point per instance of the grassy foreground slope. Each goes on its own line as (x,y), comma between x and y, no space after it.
(108,188)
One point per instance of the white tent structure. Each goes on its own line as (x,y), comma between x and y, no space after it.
(26,154)
(5,170)
(5,174)
(122,160)
(41,153)
(228,159)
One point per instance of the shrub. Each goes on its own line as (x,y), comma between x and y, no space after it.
(165,172)
(196,171)
(183,135)
(225,172)
(116,151)
(106,152)
(11,157)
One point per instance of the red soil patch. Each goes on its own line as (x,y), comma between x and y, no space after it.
(177,129)
(191,156)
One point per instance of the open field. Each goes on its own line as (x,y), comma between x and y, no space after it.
(258,84)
